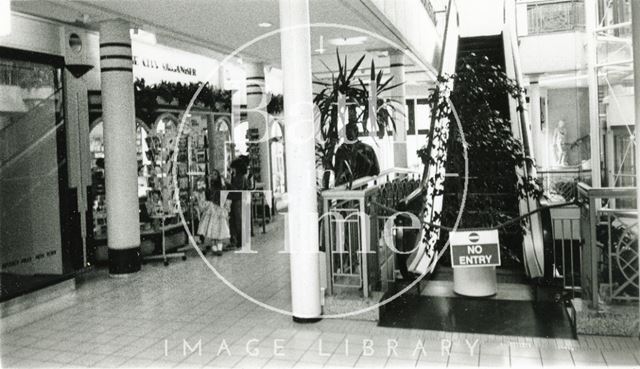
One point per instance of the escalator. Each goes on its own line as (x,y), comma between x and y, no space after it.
(526,316)
(484,191)
(525,245)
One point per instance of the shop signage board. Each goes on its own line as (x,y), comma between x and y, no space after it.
(474,249)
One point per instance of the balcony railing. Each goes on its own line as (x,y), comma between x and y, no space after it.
(555,16)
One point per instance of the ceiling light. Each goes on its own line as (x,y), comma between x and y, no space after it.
(348,41)
(265,25)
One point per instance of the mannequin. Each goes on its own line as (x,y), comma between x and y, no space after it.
(354,159)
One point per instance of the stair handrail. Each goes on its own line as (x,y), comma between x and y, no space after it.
(529,168)
(426,245)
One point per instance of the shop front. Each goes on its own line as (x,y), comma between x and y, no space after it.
(53,218)
(165,81)
(204,144)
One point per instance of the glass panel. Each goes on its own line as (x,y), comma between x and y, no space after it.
(30,159)
(615,92)
(562,141)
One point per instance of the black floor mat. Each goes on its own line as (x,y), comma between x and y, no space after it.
(13,285)
(474,315)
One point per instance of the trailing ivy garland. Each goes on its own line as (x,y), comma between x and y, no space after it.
(434,158)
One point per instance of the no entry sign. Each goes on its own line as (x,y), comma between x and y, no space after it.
(474,249)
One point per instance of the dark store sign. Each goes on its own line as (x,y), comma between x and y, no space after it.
(167,67)
(474,249)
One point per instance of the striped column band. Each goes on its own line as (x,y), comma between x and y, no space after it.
(255,85)
(115,57)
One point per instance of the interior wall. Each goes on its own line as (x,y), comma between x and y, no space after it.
(490,23)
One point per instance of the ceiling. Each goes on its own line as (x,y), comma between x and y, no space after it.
(226,25)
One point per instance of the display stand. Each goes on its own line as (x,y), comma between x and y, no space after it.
(198,166)
(160,142)
(258,204)
(165,256)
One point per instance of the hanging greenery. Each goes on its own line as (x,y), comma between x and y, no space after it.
(275,105)
(146,97)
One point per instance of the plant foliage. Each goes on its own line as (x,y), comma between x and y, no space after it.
(147,102)
(480,98)
(356,94)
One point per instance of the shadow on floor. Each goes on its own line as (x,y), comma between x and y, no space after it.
(473,315)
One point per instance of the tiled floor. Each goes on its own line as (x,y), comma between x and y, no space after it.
(184,316)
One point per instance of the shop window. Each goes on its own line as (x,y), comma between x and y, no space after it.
(96,148)
(34,192)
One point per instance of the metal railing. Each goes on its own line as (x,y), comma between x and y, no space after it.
(352,230)
(555,16)
(609,270)
(563,182)
(563,249)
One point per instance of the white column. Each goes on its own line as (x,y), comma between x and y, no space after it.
(396,68)
(635,20)
(121,167)
(302,227)
(258,119)
(536,128)
(594,121)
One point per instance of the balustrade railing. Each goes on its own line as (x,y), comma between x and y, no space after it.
(561,184)
(555,16)
(610,268)
(353,230)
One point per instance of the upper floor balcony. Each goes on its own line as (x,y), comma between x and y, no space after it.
(552,36)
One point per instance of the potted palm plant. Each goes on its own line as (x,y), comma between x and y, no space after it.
(356,96)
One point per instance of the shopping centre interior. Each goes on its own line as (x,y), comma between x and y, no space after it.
(304,183)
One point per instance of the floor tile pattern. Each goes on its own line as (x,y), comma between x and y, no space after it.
(184,316)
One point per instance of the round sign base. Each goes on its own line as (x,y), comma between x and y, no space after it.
(475,281)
